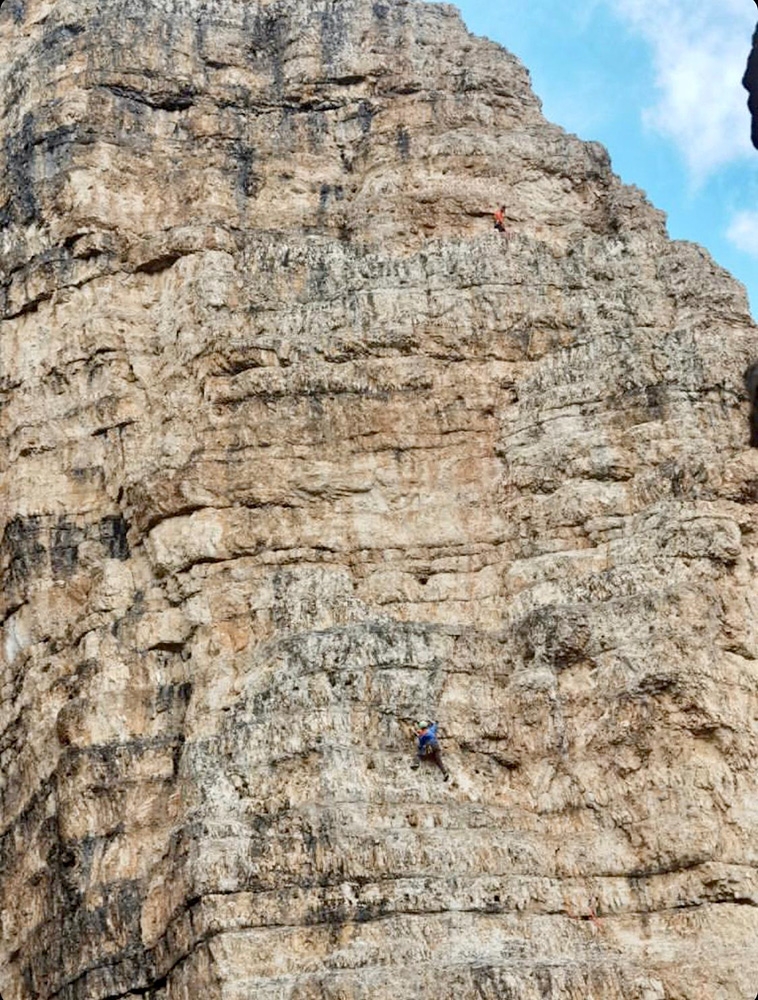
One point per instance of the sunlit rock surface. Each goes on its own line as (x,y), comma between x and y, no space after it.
(296,451)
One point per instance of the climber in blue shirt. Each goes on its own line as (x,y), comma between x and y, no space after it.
(429,748)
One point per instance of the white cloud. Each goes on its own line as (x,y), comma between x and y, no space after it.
(699,52)
(743,232)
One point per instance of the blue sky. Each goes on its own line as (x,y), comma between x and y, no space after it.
(658,82)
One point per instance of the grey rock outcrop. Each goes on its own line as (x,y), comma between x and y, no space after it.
(295,451)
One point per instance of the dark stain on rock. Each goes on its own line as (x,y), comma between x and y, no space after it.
(113,532)
(318,278)
(21,542)
(403,142)
(19,157)
(333,32)
(559,637)
(113,920)
(6,217)
(248,181)
(64,548)
(655,398)
(17,9)
(171,695)
(365,116)
(268,34)
(62,34)
(316,129)
(266,31)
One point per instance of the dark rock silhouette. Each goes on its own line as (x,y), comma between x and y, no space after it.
(750,83)
(751,384)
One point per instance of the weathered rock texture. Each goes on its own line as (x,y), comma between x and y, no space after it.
(295,450)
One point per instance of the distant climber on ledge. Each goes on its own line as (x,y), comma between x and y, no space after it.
(429,748)
(500,219)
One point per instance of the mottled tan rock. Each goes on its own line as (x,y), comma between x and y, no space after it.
(294,451)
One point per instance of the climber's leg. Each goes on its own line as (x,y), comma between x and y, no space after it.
(436,756)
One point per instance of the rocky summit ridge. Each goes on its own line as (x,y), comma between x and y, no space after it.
(296,451)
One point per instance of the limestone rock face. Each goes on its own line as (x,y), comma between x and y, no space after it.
(296,451)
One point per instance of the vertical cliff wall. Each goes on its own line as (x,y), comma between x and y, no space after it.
(296,451)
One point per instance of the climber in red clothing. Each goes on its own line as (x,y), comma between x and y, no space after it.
(500,217)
